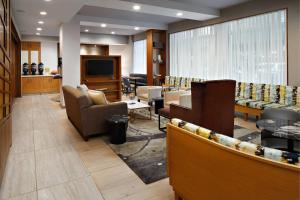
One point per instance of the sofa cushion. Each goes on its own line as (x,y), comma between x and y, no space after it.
(298,97)
(182,82)
(177,82)
(282,93)
(245,90)
(257,92)
(273,105)
(98,97)
(258,104)
(266,93)
(248,147)
(83,88)
(244,102)
(172,80)
(290,95)
(167,80)
(226,140)
(237,99)
(189,82)
(274,93)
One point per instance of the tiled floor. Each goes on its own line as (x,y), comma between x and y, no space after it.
(50,161)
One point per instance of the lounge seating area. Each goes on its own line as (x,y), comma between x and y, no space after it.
(150,100)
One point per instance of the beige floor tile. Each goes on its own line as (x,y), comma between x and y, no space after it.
(72,162)
(19,176)
(49,168)
(80,189)
(44,139)
(28,196)
(160,190)
(99,159)
(117,182)
(22,142)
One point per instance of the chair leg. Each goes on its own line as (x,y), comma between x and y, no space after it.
(246,116)
(159,122)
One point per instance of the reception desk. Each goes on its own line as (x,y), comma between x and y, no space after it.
(37,84)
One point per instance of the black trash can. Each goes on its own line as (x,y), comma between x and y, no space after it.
(117,128)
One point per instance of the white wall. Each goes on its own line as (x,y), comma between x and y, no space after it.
(126,55)
(49,54)
(48,49)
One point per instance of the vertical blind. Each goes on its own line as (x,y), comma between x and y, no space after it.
(140,57)
(252,49)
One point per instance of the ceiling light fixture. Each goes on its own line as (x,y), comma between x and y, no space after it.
(136,7)
(86,30)
(38,34)
(136,28)
(103,25)
(40,22)
(113,32)
(47,0)
(39,29)
(43,13)
(179,14)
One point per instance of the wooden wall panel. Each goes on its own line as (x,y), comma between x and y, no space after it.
(5,84)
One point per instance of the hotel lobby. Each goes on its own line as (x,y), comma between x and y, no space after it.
(150,100)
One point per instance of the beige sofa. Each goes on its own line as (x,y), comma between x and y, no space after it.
(89,119)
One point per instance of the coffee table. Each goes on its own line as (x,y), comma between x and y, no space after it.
(286,129)
(134,105)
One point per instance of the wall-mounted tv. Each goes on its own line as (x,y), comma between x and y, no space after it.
(100,67)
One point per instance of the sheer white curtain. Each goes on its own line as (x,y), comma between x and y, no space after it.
(140,57)
(252,49)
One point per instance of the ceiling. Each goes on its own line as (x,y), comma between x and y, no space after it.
(216,4)
(119,15)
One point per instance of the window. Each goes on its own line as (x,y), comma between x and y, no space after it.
(140,57)
(252,49)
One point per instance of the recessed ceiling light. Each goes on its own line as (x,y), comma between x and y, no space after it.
(43,13)
(113,32)
(40,22)
(136,28)
(179,14)
(39,29)
(47,0)
(103,25)
(86,30)
(38,34)
(136,7)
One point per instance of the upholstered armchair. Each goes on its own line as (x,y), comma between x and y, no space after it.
(148,93)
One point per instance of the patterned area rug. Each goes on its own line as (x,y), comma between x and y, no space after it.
(145,149)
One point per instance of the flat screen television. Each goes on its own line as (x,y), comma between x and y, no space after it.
(100,67)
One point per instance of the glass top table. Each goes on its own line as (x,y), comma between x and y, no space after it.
(280,128)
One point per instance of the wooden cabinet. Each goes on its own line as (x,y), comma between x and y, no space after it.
(6,82)
(39,84)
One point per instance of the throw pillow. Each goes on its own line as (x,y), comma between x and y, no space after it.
(98,97)
(83,88)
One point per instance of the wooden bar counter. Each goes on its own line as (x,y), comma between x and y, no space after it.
(37,84)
